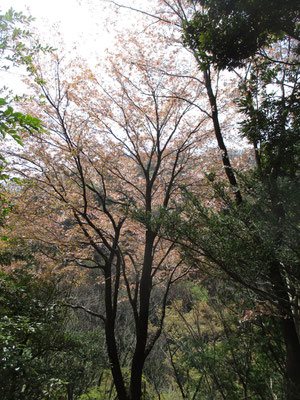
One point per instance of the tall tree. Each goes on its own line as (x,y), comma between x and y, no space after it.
(113,161)
(269,101)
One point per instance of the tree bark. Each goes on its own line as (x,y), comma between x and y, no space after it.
(292,359)
(218,133)
(289,329)
(110,338)
(143,320)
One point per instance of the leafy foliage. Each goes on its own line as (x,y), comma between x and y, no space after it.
(226,32)
(13,51)
(31,330)
(219,349)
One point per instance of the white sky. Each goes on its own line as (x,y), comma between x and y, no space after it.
(78,22)
(81,23)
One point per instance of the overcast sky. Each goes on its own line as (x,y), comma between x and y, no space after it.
(81,23)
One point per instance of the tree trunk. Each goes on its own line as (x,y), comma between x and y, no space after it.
(218,133)
(289,333)
(289,329)
(110,339)
(292,359)
(143,320)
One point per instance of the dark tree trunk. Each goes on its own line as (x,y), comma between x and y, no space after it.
(289,330)
(143,320)
(110,338)
(292,359)
(218,133)
(289,333)
(114,360)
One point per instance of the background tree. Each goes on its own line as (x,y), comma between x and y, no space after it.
(257,230)
(39,337)
(250,25)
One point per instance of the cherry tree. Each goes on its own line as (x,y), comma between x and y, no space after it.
(102,180)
